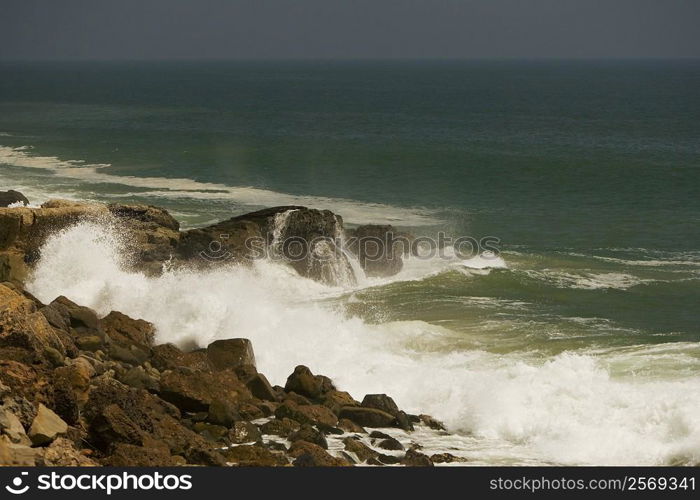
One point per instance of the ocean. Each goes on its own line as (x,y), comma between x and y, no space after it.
(578,344)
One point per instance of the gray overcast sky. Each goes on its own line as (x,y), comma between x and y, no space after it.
(253,29)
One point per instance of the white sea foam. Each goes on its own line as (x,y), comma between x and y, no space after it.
(513,408)
(352,211)
(587,280)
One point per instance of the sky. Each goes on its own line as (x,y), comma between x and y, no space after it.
(349,29)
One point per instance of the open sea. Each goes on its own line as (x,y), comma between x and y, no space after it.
(579,344)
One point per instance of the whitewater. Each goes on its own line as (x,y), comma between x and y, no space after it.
(591,406)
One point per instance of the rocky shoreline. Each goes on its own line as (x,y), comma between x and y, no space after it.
(81,390)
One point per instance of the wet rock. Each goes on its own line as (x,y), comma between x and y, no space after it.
(244,432)
(390,444)
(46,426)
(309,434)
(378,248)
(335,400)
(250,411)
(170,357)
(211,432)
(367,417)
(130,339)
(11,197)
(307,414)
(283,427)
(311,455)
(415,458)
(446,458)
(254,456)
(350,426)
(432,423)
(360,449)
(231,354)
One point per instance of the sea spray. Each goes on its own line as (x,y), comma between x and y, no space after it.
(509,408)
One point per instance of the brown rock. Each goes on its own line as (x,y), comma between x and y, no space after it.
(261,388)
(309,434)
(170,357)
(244,432)
(360,449)
(194,390)
(381,402)
(128,455)
(284,427)
(62,453)
(350,426)
(46,427)
(307,414)
(303,382)
(367,417)
(11,197)
(311,455)
(335,400)
(12,428)
(415,458)
(17,455)
(254,456)
(222,412)
(230,354)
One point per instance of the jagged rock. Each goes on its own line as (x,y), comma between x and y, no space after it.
(415,458)
(260,388)
(297,398)
(12,428)
(308,414)
(194,390)
(283,427)
(222,412)
(311,455)
(24,409)
(446,458)
(46,426)
(379,249)
(367,417)
(139,378)
(11,197)
(131,339)
(211,432)
(170,357)
(360,449)
(309,434)
(244,432)
(17,455)
(62,453)
(230,354)
(254,456)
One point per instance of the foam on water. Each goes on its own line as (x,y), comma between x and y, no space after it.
(507,408)
(353,211)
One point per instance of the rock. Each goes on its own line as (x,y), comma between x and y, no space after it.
(381,402)
(432,423)
(139,378)
(335,400)
(283,427)
(244,432)
(11,427)
(309,434)
(350,426)
(250,411)
(62,453)
(17,455)
(254,456)
(46,426)
(230,354)
(446,458)
(129,455)
(194,390)
(416,459)
(222,412)
(71,388)
(21,407)
(303,382)
(211,432)
(379,249)
(311,455)
(170,357)
(360,449)
(260,388)
(390,444)
(130,339)
(308,414)
(367,417)
(297,398)
(379,435)
(11,197)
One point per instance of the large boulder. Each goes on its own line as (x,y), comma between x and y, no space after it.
(367,417)
(12,197)
(194,390)
(130,339)
(231,354)
(46,427)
